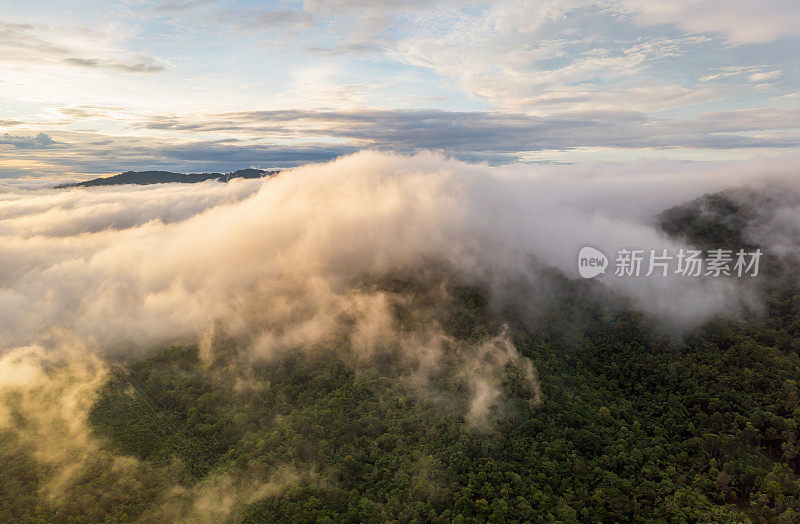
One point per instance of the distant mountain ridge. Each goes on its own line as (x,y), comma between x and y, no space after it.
(167,177)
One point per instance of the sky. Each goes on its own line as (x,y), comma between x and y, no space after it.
(89,88)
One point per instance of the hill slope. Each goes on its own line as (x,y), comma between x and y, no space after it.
(630,425)
(167,177)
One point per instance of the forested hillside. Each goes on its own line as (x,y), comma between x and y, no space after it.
(625,423)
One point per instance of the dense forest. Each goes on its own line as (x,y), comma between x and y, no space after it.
(631,424)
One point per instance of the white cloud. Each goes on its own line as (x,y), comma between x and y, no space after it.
(542,57)
(766,75)
(278,264)
(32,45)
(738,22)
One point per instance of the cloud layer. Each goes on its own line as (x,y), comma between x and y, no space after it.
(139,266)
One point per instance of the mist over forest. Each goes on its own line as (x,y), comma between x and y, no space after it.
(389,337)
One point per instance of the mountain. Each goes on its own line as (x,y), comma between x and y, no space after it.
(711,221)
(629,424)
(632,425)
(167,177)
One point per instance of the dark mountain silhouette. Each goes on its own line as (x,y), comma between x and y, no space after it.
(166,177)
